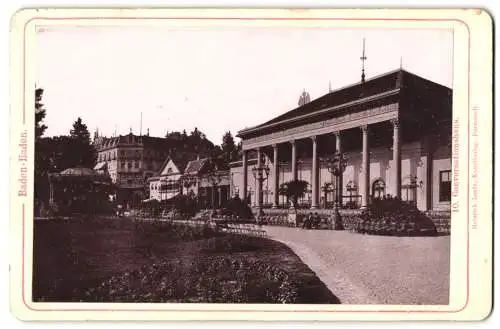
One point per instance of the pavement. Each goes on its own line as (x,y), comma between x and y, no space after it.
(364,269)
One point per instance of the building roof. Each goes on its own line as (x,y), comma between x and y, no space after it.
(180,160)
(79,171)
(194,166)
(376,86)
(147,142)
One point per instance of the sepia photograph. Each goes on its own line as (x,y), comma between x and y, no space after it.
(171,168)
(183,164)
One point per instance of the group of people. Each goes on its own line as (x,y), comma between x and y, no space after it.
(311,221)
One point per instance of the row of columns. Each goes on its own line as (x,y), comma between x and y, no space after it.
(365,192)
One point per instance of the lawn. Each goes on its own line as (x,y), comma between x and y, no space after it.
(128,261)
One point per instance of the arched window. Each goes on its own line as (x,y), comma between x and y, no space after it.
(378,189)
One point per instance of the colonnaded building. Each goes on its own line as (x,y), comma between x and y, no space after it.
(394,131)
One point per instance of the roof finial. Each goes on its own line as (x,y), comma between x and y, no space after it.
(401,62)
(304,98)
(330,86)
(363,59)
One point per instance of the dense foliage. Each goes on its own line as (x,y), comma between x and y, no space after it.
(237,208)
(186,205)
(195,142)
(41,161)
(82,152)
(229,149)
(39,114)
(392,216)
(54,154)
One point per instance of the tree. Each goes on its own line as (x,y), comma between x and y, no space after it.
(216,155)
(293,190)
(39,114)
(80,131)
(41,184)
(83,152)
(228,147)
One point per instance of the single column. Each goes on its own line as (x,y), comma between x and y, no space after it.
(294,160)
(212,201)
(258,186)
(366,168)
(276,177)
(314,174)
(338,148)
(396,158)
(429,169)
(245,178)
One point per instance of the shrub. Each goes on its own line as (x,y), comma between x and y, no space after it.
(186,205)
(151,208)
(237,208)
(391,216)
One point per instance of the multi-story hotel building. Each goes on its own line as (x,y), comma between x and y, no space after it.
(130,160)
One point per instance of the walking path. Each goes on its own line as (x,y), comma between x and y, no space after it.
(363,269)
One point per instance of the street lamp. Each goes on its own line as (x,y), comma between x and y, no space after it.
(326,188)
(336,166)
(260,173)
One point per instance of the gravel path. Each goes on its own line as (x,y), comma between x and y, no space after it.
(363,269)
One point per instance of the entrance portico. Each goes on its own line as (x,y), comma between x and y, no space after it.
(313,137)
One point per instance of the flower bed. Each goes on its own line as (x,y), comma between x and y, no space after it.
(222,280)
(277,220)
(127,260)
(350,219)
(441,219)
(394,217)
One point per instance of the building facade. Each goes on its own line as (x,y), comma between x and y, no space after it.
(393,132)
(197,177)
(130,160)
(208,181)
(167,184)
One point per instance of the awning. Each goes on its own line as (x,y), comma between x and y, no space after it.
(149,200)
(100,166)
(172,198)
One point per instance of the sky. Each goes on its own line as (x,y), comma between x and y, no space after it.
(215,79)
